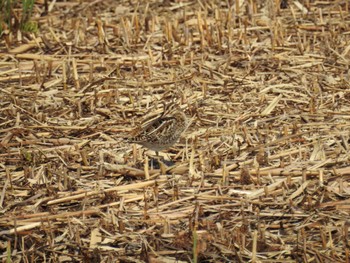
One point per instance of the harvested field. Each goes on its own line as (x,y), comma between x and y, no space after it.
(261,175)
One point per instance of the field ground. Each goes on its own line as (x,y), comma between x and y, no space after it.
(261,175)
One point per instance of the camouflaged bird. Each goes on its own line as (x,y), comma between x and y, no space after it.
(164,131)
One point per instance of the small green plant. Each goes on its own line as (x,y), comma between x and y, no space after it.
(195,244)
(16,15)
(27,11)
(29,26)
(8,252)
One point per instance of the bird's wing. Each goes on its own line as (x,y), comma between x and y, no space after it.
(160,126)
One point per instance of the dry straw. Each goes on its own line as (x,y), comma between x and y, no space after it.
(261,175)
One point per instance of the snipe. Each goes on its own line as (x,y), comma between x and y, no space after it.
(164,131)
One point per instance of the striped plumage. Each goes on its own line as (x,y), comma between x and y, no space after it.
(164,131)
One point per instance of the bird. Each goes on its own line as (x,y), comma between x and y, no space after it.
(164,131)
